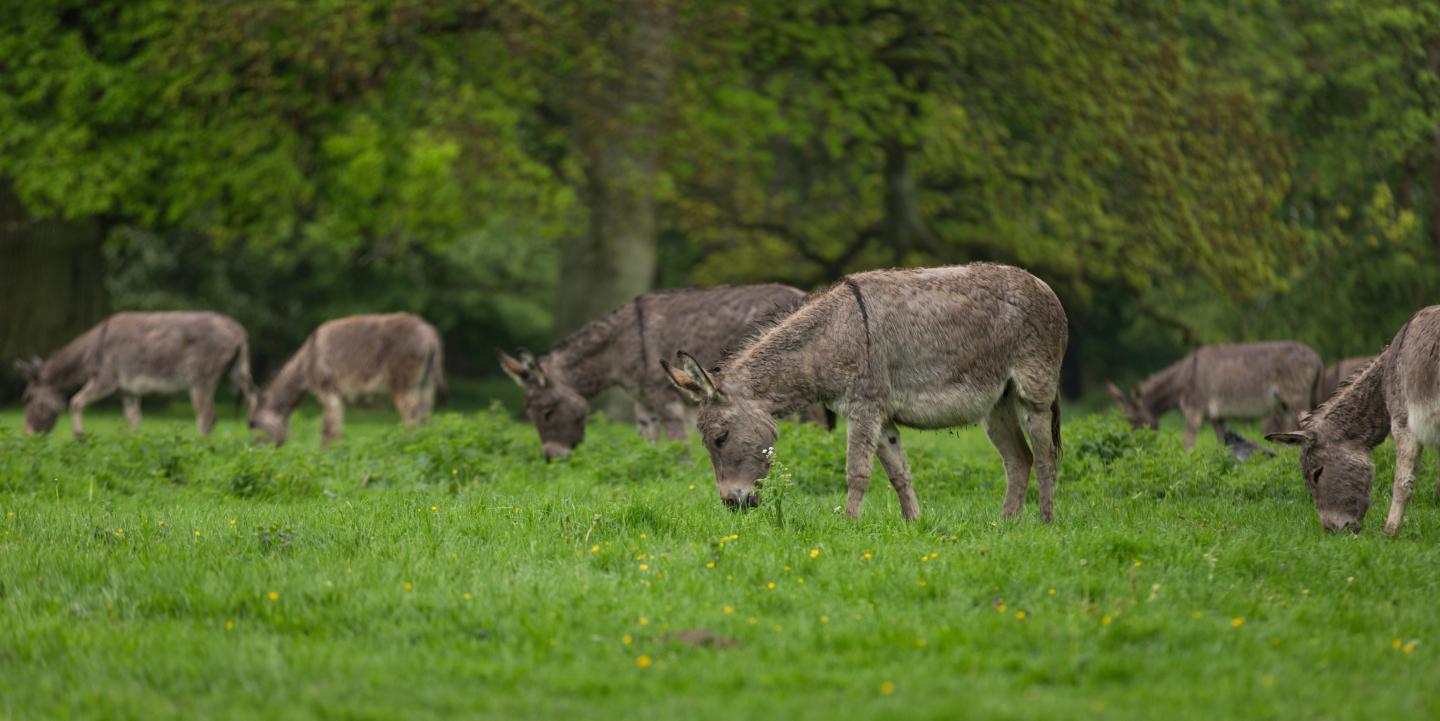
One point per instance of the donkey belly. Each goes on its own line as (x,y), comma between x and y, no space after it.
(1424,421)
(946,407)
(1253,408)
(365,388)
(143,384)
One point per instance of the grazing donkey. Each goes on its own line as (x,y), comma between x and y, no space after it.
(350,358)
(621,349)
(138,354)
(925,348)
(1398,394)
(1273,380)
(1336,374)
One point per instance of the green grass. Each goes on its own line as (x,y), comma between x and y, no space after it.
(450,572)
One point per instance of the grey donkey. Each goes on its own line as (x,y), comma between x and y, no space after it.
(1398,394)
(924,348)
(1336,374)
(138,354)
(397,354)
(1271,380)
(621,350)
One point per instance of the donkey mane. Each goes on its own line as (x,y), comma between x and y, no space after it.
(1346,388)
(597,330)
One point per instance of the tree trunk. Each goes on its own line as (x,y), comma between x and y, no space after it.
(53,275)
(618,121)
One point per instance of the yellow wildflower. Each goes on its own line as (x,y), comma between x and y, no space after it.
(730,609)
(824,619)
(627,639)
(409,586)
(1104,620)
(643,662)
(595,548)
(770,585)
(1051,592)
(814,553)
(868,555)
(1396,644)
(644,567)
(711,564)
(466,596)
(644,621)
(1019,615)
(1237,622)
(229,625)
(1409,647)
(887,688)
(273,596)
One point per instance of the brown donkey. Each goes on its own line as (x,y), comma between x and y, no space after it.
(1272,380)
(621,349)
(138,354)
(350,358)
(925,348)
(1398,394)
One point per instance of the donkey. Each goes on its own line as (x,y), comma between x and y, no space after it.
(924,348)
(620,349)
(1272,380)
(1336,374)
(1397,394)
(138,354)
(351,358)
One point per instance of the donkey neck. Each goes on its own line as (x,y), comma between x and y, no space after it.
(1357,411)
(1162,391)
(602,354)
(791,363)
(292,382)
(72,365)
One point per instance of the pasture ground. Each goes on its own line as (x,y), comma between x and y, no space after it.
(450,572)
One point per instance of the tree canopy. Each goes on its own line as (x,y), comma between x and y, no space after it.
(1181,171)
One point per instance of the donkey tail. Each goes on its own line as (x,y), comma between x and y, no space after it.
(240,374)
(1055,426)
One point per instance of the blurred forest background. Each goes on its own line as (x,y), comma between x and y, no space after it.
(1180,171)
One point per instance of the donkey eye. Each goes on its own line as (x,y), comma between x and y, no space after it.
(1315,479)
(720,439)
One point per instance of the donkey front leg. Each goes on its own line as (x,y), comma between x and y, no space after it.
(864,433)
(202,397)
(132,410)
(92,391)
(332,422)
(1407,462)
(1003,428)
(1193,418)
(892,458)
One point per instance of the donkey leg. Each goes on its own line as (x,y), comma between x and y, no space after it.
(92,391)
(407,404)
(132,410)
(672,422)
(864,433)
(1407,462)
(203,399)
(1220,428)
(1193,419)
(1042,440)
(892,459)
(332,422)
(1003,428)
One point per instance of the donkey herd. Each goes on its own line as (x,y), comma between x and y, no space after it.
(920,348)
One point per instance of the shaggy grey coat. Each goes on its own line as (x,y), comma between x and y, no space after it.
(1398,394)
(1336,374)
(622,349)
(1272,380)
(138,354)
(926,348)
(398,354)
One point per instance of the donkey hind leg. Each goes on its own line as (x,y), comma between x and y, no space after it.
(1407,461)
(407,404)
(1042,439)
(863,435)
(92,391)
(1220,429)
(131,402)
(424,400)
(202,397)
(332,422)
(1003,428)
(897,468)
(1193,419)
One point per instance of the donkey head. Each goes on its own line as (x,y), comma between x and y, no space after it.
(1338,472)
(43,402)
(1135,410)
(267,420)
(557,411)
(738,432)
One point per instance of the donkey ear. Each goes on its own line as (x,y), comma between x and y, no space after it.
(532,365)
(518,370)
(691,378)
(1118,394)
(30,369)
(1293,438)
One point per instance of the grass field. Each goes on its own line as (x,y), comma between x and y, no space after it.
(450,572)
